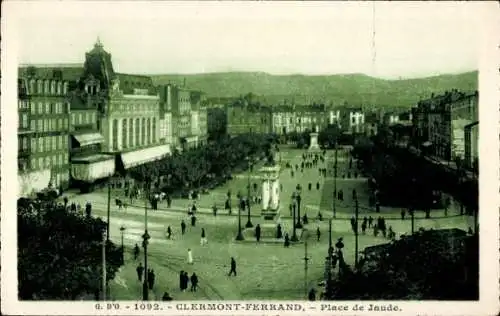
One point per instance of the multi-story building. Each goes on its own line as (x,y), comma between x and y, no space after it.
(311,118)
(439,123)
(283,119)
(199,127)
(166,121)
(471,154)
(128,116)
(216,122)
(43,128)
(248,119)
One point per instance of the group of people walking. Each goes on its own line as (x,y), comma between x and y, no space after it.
(151,276)
(184,281)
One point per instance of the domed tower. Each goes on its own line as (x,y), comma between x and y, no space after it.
(98,65)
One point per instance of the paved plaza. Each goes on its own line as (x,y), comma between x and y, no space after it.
(265,270)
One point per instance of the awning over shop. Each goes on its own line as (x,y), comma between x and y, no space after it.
(142,156)
(92,168)
(89,139)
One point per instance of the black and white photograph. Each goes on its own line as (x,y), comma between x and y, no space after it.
(250,158)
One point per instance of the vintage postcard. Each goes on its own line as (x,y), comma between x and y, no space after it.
(249,158)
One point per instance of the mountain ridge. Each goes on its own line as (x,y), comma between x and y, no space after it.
(357,88)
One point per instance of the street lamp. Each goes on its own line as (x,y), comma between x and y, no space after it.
(240,235)
(356,234)
(122,230)
(298,198)
(249,222)
(294,233)
(335,183)
(111,180)
(145,237)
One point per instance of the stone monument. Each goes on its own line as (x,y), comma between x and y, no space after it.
(270,212)
(314,139)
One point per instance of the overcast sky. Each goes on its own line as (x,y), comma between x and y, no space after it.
(387,40)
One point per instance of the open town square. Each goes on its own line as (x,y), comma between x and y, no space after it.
(154,173)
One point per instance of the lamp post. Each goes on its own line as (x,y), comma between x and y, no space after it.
(249,221)
(299,199)
(356,234)
(240,235)
(145,237)
(122,230)
(104,275)
(335,182)
(294,233)
(111,180)
(306,261)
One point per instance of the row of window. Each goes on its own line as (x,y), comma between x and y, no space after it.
(49,108)
(134,132)
(135,107)
(47,125)
(23,121)
(51,161)
(49,143)
(49,87)
(83,118)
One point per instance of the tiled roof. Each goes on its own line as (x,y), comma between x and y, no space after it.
(129,82)
(71,72)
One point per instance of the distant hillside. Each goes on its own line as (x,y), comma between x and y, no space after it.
(355,89)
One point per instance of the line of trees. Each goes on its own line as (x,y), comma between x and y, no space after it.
(59,252)
(204,166)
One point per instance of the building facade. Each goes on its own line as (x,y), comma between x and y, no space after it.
(440,123)
(216,122)
(128,116)
(248,119)
(43,128)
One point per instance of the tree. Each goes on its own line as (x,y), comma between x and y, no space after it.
(328,137)
(437,265)
(59,253)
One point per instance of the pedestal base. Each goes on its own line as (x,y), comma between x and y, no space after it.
(314,142)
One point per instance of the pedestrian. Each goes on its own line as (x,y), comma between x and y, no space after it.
(287,241)
(279,232)
(309,186)
(194,282)
(190,256)
(257,232)
(375,230)
(317,185)
(183,227)
(214,209)
(403,213)
(204,240)
(363,227)
(136,251)
(181,280)
(353,222)
(169,232)
(370,221)
(193,220)
(185,281)
(233,267)
(318,233)
(166,297)
(305,220)
(140,271)
(151,279)
(312,295)
(320,216)
(65,202)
